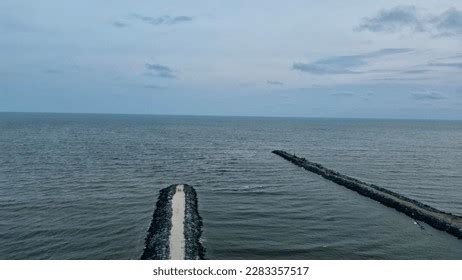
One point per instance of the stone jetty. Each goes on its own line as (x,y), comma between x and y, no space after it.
(438,219)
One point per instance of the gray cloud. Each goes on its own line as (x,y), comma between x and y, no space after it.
(162,20)
(451,64)
(343,94)
(427,96)
(392,20)
(275,83)
(317,68)
(159,70)
(343,64)
(119,24)
(454,56)
(448,23)
(365,96)
(416,71)
(401,79)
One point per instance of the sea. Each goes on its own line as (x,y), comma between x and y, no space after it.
(84,186)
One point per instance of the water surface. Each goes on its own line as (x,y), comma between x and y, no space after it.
(84,186)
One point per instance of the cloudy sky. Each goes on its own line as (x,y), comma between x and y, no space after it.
(333,58)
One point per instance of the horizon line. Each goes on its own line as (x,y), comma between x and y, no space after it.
(230,116)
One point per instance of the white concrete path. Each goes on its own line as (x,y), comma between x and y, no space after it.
(177,241)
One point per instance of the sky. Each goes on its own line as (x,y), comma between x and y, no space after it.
(333,58)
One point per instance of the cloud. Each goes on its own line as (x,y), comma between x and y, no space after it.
(343,64)
(344,94)
(449,23)
(416,71)
(162,20)
(454,56)
(275,83)
(159,70)
(320,68)
(348,95)
(119,24)
(391,20)
(452,64)
(397,19)
(401,79)
(422,96)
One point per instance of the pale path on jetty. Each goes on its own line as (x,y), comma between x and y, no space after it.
(176,226)
(177,239)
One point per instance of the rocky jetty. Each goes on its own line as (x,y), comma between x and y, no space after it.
(438,219)
(194,250)
(158,239)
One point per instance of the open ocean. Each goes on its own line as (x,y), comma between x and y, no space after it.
(83,186)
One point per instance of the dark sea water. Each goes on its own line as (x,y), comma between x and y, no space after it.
(85,186)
